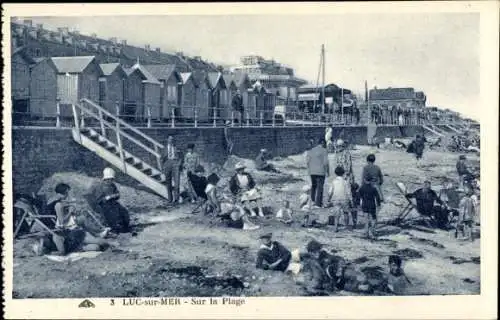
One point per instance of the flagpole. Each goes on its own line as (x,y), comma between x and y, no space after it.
(342,103)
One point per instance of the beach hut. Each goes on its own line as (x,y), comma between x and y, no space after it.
(77,78)
(171,87)
(228,93)
(203,95)
(243,83)
(144,98)
(189,91)
(217,108)
(112,86)
(20,81)
(43,88)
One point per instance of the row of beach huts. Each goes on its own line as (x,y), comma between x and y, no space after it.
(47,86)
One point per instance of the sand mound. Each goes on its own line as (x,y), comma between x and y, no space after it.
(131,198)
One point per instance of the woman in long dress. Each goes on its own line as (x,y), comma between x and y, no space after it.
(242,185)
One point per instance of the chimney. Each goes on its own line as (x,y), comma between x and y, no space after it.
(94,36)
(113,40)
(147,47)
(180,54)
(28,23)
(158,50)
(124,42)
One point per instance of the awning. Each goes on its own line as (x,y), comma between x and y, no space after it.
(308,96)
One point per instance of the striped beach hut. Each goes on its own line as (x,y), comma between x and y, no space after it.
(144,98)
(43,88)
(217,106)
(171,87)
(189,91)
(20,81)
(203,95)
(112,86)
(77,78)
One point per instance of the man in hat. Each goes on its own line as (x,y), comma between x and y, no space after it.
(172,163)
(426,199)
(103,199)
(318,168)
(262,164)
(272,255)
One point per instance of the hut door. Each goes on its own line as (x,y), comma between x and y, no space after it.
(179,101)
(215,104)
(102,93)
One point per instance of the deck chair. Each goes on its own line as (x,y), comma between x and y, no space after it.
(410,206)
(28,212)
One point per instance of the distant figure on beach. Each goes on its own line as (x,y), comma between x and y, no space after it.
(262,164)
(318,168)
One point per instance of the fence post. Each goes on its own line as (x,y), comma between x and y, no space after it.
(248,119)
(304,119)
(82,116)
(196,118)
(274,119)
(215,119)
(58,113)
(148,108)
(232,119)
(173,118)
(117,108)
(101,122)
(261,119)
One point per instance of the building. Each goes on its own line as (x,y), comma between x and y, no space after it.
(310,98)
(189,92)
(219,106)
(204,94)
(21,77)
(112,86)
(170,85)
(397,97)
(142,100)
(77,78)
(276,78)
(43,89)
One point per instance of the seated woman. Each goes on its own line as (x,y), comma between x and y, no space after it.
(262,164)
(197,184)
(242,185)
(71,234)
(232,214)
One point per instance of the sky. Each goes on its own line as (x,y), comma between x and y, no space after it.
(437,53)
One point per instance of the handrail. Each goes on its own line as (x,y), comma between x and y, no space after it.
(110,125)
(125,124)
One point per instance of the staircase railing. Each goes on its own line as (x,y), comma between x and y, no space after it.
(89,108)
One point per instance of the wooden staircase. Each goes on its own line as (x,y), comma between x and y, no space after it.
(112,151)
(432,130)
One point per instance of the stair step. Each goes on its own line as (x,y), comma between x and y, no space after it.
(147,171)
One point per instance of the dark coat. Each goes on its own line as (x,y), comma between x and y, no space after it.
(236,188)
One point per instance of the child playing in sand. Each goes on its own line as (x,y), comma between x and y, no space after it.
(397,279)
(340,197)
(370,204)
(305,198)
(285,214)
(466,215)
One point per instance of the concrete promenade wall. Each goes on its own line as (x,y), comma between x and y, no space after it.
(37,153)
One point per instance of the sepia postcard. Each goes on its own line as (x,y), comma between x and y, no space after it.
(314,160)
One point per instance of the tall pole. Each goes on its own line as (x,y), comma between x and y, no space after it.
(342,103)
(323,75)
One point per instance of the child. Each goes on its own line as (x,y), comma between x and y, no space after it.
(373,173)
(340,197)
(397,280)
(370,204)
(70,234)
(212,204)
(466,215)
(234,216)
(305,198)
(356,200)
(285,214)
